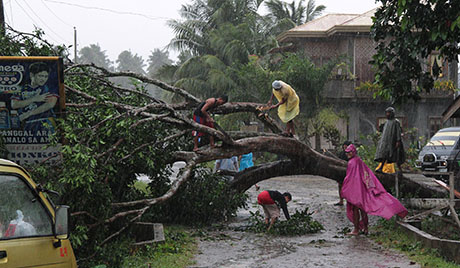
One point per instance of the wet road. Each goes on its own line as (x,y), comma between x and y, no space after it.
(330,248)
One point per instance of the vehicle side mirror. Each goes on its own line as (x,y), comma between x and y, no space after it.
(61,225)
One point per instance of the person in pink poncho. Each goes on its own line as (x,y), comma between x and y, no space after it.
(366,195)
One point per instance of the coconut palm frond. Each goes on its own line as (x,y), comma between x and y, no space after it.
(235,51)
(213,62)
(313,11)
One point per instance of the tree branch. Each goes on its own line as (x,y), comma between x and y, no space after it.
(179,91)
(153,144)
(184,175)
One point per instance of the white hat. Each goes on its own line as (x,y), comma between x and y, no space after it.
(277,84)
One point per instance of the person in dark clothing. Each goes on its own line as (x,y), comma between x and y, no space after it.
(271,201)
(389,147)
(342,155)
(201,116)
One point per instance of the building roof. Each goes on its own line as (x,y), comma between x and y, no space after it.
(330,24)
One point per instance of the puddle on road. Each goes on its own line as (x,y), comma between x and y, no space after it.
(329,248)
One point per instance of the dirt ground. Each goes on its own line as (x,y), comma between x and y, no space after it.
(329,248)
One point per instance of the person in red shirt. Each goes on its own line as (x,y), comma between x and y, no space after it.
(271,201)
(201,116)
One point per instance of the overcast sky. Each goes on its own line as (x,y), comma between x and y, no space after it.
(136,25)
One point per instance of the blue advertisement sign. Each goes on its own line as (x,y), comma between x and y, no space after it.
(31,98)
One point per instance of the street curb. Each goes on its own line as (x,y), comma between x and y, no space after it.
(449,249)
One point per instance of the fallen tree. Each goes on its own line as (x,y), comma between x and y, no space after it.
(135,111)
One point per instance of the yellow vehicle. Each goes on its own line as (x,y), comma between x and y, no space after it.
(33,232)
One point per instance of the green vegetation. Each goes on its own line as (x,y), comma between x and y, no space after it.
(175,252)
(297,15)
(205,199)
(441,227)
(387,235)
(300,223)
(408,33)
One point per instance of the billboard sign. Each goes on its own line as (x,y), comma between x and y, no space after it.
(31,98)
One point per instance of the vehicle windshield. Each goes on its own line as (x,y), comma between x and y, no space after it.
(21,213)
(444,139)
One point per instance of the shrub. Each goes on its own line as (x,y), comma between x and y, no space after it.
(205,198)
(300,223)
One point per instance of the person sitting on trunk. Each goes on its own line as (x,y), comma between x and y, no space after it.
(201,116)
(271,201)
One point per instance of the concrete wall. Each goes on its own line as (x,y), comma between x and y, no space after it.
(364,114)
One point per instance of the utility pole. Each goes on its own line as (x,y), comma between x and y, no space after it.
(74,43)
(2,18)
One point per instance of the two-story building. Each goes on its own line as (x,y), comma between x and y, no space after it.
(348,35)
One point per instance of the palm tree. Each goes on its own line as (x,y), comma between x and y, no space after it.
(219,34)
(192,33)
(313,11)
(157,59)
(94,54)
(202,17)
(297,13)
(127,62)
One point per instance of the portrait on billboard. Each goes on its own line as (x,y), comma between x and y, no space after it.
(31,98)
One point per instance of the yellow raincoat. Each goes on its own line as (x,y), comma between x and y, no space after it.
(290,109)
(387,168)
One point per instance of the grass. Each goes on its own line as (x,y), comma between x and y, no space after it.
(176,252)
(436,226)
(387,235)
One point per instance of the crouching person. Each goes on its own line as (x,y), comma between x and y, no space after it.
(271,201)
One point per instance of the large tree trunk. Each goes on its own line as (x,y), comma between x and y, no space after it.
(303,160)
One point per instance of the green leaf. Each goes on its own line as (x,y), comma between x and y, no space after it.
(404,22)
(456,23)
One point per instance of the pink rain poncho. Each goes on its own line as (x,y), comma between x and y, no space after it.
(362,189)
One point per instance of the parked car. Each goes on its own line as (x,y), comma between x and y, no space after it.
(33,231)
(441,153)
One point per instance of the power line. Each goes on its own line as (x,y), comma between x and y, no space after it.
(51,11)
(35,23)
(110,10)
(44,23)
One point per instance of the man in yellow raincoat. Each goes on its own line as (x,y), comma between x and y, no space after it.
(288,104)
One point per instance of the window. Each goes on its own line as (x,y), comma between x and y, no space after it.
(435,124)
(436,62)
(21,212)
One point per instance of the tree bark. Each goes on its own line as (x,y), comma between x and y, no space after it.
(303,160)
